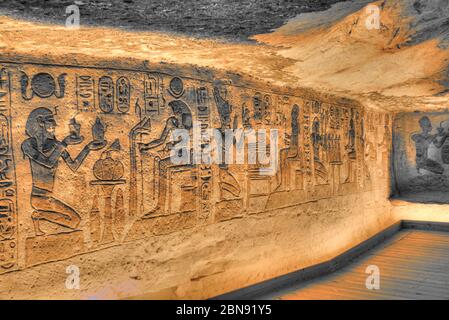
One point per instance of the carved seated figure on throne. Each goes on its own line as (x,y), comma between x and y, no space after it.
(160,149)
(290,166)
(319,143)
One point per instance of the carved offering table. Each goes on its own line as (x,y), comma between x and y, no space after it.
(107,188)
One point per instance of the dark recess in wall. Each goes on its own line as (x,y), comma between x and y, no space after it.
(420,157)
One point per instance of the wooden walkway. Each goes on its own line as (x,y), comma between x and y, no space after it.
(412,264)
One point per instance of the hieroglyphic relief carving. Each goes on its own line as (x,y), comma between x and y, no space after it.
(349,167)
(44,150)
(291,173)
(129,189)
(246,117)
(360,145)
(319,142)
(420,155)
(75,137)
(85,90)
(203,118)
(8,184)
(153,97)
(109,173)
(308,153)
(423,140)
(123,91)
(42,85)
(267,109)
(334,136)
(159,151)
(371,149)
(106,94)
(229,187)
(258,108)
(176,87)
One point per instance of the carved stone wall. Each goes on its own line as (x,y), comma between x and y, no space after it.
(85,179)
(421,157)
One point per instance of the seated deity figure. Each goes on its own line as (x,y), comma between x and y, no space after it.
(423,140)
(161,148)
(290,157)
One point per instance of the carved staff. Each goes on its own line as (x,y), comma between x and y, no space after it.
(143,127)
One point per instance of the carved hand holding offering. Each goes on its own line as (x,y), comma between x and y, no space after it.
(98,131)
(75,136)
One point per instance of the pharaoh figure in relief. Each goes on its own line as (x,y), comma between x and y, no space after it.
(44,150)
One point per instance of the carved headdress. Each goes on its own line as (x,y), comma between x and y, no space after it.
(33,127)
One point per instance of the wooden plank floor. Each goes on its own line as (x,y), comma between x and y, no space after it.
(413,265)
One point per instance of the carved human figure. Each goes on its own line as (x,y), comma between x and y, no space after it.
(44,152)
(246,117)
(317,139)
(290,154)
(318,143)
(350,156)
(350,147)
(227,183)
(294,142)
(423,141)
(224,109)
(182,119)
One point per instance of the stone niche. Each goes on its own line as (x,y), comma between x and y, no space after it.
(84,164)
(420,163)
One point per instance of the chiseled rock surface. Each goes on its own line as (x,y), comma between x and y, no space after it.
(84,176)
(227,19)
(87,181)
(400,66)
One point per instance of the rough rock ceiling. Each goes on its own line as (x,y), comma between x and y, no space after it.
(227,19)
(401,66)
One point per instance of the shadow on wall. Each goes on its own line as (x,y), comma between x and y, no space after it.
(420,163)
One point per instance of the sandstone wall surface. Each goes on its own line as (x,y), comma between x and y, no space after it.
(85,180)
